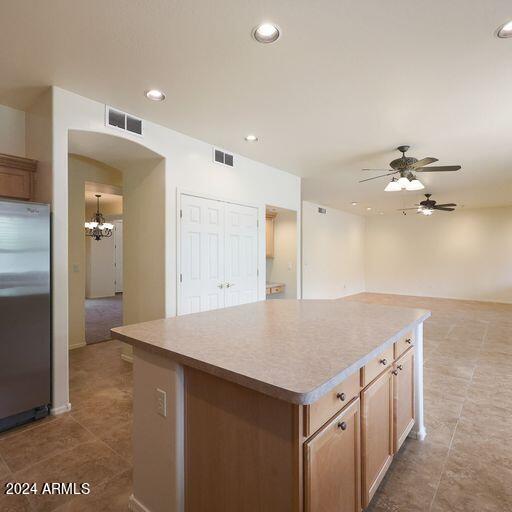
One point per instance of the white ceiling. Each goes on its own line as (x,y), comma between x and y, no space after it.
(347,82)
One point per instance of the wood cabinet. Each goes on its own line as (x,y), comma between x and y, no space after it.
(403,397)
(269,227)
(332,465)
(376,433)
(17,177)
(317,413)
(403,344)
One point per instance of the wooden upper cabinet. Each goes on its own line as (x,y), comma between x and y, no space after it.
(403,390)
(376,433)
(332,465)
(17,177)
(269,226)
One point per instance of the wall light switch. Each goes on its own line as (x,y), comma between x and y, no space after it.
(161,402)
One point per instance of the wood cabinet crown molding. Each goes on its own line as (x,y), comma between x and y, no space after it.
(18,162)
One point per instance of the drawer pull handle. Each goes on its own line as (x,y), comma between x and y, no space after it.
(341,396)
(400,367)
(395,372)
(408,340)
(342,425)
(384,362)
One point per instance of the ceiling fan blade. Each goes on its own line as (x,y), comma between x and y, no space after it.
(375,177)
(423,161)
(445,205)
(443,209)
(404,209)
(380,170)
(439,168)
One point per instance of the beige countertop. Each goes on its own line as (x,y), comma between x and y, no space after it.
(295,350)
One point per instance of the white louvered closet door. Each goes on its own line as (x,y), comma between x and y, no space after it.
(219,254)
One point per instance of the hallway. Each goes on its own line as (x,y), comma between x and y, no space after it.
(100,316)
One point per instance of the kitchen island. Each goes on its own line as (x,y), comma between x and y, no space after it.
(275,406)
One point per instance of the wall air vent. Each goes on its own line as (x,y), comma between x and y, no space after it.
(322,210)
(219,157)
(122,121)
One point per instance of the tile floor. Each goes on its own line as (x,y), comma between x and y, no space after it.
(92,443)
(465,465)
(101,315)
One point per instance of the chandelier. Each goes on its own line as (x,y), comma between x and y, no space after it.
(97,227)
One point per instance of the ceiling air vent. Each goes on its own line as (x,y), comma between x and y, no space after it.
(122,121)
(219,157)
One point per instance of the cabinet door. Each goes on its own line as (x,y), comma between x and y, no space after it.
(332,465)
(15,183)
(403,390)
(376,433)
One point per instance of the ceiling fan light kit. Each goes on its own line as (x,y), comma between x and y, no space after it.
(393,186)
(415,184)
(406,167)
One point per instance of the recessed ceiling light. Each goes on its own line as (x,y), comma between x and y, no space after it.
(505,30)
(266,33)
(354,204)
(251,138)
(155,95)
(368,208)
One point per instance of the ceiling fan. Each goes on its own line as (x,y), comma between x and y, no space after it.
(428,206)
(406,167)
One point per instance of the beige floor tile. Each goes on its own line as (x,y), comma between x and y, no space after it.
(30,446)
(110,496)
(92,462)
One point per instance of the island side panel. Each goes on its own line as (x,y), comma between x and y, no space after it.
(158,441)
(243,449)
(418,431)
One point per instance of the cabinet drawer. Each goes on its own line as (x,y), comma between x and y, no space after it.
(319,412)
(403,344)
(376,366)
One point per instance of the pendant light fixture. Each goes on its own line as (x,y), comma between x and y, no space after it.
(97,227)
(404,183)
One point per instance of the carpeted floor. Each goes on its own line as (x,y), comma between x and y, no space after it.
(101,315)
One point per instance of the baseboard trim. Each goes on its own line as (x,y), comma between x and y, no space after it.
(128,358)
(73,346)
(134,505)
(55,411)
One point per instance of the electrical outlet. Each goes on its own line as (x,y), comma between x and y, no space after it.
(161,402)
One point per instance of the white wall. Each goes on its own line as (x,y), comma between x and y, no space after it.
(285,254)
(466,254)
(188,167)
(12,131)
(333,253)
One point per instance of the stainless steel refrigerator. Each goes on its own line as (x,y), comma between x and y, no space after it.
(25,312)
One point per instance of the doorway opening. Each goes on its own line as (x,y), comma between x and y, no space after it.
(103,263)
(281,253)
